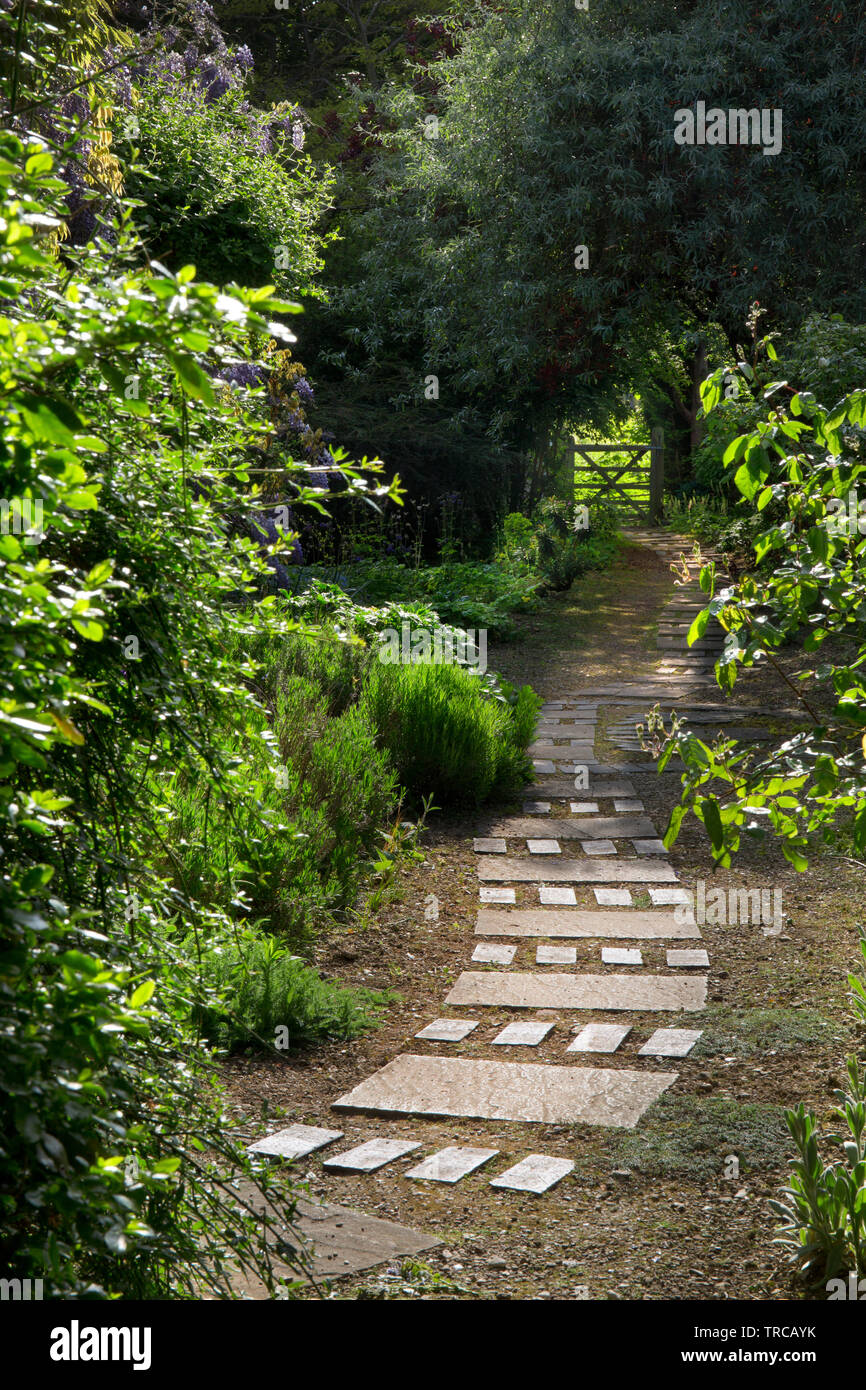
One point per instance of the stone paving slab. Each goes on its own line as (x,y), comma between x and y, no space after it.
(690,959)
(490,953)
(521,990)
(592,828)
(450,1165)
(649,847)
(638,924)
(627,803)
(489,845)
(556,955)
(599,1037)
(598,847)
(669,897)
(522,1034)
(556,750)
(295,1142)
(565,788)
(448,1029)
(583,808)
(613,897)
(621,955)
(532,1092)
(575,871)
(366,1158)
(564,730)
(537,808)
(555,896)
(497,895)
(670,1042)
(543,847)
(543,765)
(535,1173)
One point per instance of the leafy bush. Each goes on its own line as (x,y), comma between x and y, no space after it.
(823,1214)
(273,998)
(445,736)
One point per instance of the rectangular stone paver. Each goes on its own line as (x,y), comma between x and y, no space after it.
(621,955)
(448,1029)
(543,847)
(496,895)
(543,765)
(619,787)
(612,897)
(583,808)
(522,990)
(535,1173)
(670,1042)
(295,1142)
(533,1092)
(599,1037)
(488,845)
(492,953)
(669,897)
(592,828)
(689,958)
(598,846)
(556,955)
(649,846)
(640,924)
(536,808)
(523,1034)
(629,803)
(450,1165)
(366,1158)
(495,870)
(556,897)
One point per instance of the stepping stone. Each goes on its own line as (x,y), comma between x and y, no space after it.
(534,1092)
(584,808)
(669,897)
(497,895)
(448,1029)
(366,1158)
(450,1165)
(488,953)
(570,731)
(628,803)
(599,1037)
(557,750)
(649,847)
(535,1173)
(523,990)
(523,1034)
(689,958)
(495,870)
(598,846)
(639,924)
(592,828)
(613,897)
(670,1042)
(489,846)
(620,788)
(554,896)
(621,955)
(556,955)
(295,1142)
(537,808)
(543,765)
(543,847)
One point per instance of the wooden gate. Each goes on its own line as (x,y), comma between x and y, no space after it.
(634,487)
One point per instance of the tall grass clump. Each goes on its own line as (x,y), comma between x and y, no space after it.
(445,736)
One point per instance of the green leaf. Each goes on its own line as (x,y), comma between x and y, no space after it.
(193,380)
(142,994)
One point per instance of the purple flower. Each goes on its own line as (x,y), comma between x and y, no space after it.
(304,390)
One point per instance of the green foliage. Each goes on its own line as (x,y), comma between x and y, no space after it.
(213,198)
(271,998)
(796,469)
(445,736)
(822,1216)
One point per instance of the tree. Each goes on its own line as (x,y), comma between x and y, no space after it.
(546,235)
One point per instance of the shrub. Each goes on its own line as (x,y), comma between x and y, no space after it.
(445,736)
(270,997)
